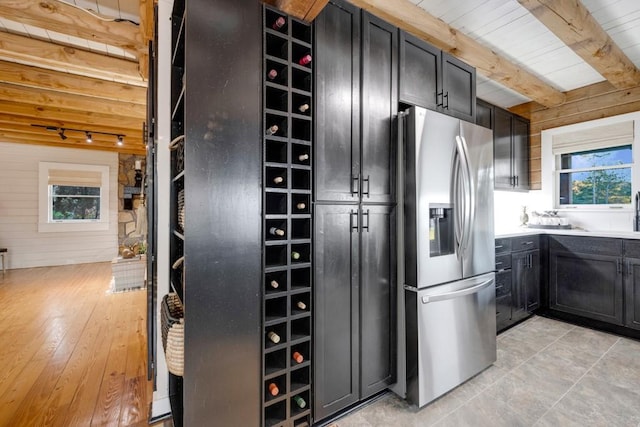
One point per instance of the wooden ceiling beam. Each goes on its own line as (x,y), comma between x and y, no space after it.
(66,19)
(62,115)
(304,10)
(146,20)
(417,21)
(38,78)
(70,143)
(572,23)
(26,50)
(48,98)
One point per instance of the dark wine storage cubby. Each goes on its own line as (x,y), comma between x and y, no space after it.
(288,104)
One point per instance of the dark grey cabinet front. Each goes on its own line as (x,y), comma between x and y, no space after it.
(379,107)
(632,293)
(336,297)
(377,299)
(458,88)
(419,72)
(526,283)
(520,136)
(588,285)
(510,151)
(484,114)
(337,144)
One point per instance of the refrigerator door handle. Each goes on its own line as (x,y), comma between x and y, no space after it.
(458,205)
(471,193)
(467,193)
(449,295)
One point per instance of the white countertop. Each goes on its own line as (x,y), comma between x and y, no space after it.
(573,232)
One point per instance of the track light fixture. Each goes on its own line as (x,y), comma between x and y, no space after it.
(87,133)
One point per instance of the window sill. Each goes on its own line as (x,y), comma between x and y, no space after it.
(65,227)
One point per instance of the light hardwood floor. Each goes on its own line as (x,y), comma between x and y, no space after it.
(71,353)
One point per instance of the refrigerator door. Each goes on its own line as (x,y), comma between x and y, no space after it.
(479,252)
(430,256)
(456,336)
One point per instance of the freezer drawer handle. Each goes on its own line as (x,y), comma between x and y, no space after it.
(449,295)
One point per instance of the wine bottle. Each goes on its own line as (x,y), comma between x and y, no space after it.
(297,357)
(299,401)
(279,23)
(301,205)
(305,60)
(273,389)
(303,157)
(295,255)
(271,130)
(276,231)
(275,338)
(303,108)
(274,284)
(278,180)
(272,74)
(301,305)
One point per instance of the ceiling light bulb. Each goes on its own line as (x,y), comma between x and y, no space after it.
(89,139)
(120,140)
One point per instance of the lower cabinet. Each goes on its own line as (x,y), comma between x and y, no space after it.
(526,277)
(354,294)
(632,293)
(585,277)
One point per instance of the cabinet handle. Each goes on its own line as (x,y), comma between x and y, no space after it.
(498,263)
(517,180)
(499,246)
(355,184)
(618,266)
(365,181)
(353,216)
(439,94)
(446,95)
(365,226)
(530,261)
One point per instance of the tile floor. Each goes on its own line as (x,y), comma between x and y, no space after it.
(548,373)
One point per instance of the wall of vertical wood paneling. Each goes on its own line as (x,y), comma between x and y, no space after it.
(19,209)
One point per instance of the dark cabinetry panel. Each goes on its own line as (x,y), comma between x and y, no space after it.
(337,61)
(377,299)
(585,277)
(336,296)
(379,106)
(511,150)
(484,114)
(436,80)
(632,293)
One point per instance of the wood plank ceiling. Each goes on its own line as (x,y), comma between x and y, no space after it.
(78,64)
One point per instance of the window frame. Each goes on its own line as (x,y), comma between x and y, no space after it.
(45,207)
(590,206)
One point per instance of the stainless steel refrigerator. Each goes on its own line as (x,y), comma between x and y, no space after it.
(446,235)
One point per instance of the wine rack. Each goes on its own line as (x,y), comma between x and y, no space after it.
(178,170)
(287,223)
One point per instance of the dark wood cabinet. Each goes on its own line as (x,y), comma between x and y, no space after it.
(517,279)
(484,114)
(337,76)
(354,264)
(632,293)
(377,299)
(337,322)
(585,277)
(436,80)
(511,150)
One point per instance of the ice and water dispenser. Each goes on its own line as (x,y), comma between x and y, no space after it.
(441,235)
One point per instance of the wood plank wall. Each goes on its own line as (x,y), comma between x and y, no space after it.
(588,103)
(19,209)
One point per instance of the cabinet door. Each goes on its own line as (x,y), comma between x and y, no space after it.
(632,293)
(378,299)
(519,266)
(502,149)
(532,282)
(458,88)
(520,150)
(337,145)
(484,114)
(379,107)
(420,69)
(587,285)
(336,296)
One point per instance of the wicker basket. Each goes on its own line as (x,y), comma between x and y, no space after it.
(172,319)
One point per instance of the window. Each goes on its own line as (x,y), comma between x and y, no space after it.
(596,177)
(593,167)
(73,197)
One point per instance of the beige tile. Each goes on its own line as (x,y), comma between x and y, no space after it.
(485,411)
(512,352)
(589,341)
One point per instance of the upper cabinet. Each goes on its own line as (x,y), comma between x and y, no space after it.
(484,114)
(511,150)
(436,80)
